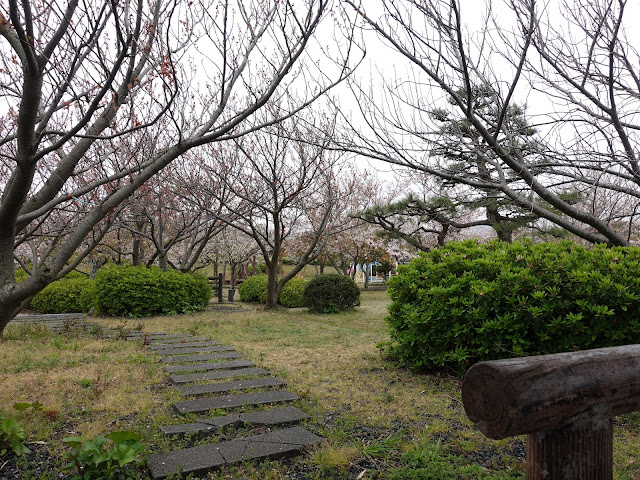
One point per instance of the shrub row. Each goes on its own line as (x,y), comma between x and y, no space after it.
(254,290)
(68,295)
(468,302)
(325,293)
(126,291)
(143,292)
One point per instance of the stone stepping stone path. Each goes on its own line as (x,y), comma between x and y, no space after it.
(178,348)
(206,426)
(283,443)
(216,363)
(223,387)
(239,372)
(200,367)
(225,372)
(203,405)
(201,358)
(213,347)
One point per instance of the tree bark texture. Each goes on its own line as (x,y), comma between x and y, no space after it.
(551,392)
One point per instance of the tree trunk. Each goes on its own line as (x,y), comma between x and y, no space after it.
(162,261)
(366,275)
(135,254)
(272,282)
(232,279)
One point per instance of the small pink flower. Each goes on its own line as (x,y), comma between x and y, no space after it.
(575,347)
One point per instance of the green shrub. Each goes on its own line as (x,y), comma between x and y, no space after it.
(292,294)
(468,302)
(331,293)
(254,289)
(142,292)
(68,295)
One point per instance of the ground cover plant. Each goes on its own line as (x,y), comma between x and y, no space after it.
(468,301)
(380,421)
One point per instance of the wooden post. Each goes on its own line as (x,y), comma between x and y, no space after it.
(220,283)
(564,403)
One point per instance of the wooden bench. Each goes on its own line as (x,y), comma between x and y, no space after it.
(564,403)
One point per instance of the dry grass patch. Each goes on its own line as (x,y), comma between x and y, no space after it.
(85,383)
(377,418)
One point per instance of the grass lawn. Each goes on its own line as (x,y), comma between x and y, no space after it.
(379,421)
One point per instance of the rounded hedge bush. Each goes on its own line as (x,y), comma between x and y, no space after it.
(468,302)
(67,295)
(126,290)
(331,293)
(292,294)
(254,289)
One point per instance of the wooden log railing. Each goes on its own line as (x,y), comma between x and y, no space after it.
(216,285)
(564,403)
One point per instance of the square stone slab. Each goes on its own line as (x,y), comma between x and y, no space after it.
(274,416)
(178,353)
(230,401)
(205,458)
(240,372)
(209,426)
(200,367)
(234,385)
(181,345)
(200,358)
(195,460)
(177,339)
(175,358)
(204,427)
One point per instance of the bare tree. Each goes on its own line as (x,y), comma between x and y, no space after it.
(78,80)
(280,187)
(457,112)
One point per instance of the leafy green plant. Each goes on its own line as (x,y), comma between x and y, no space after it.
(254,289)
(12,433)
(141,292)
(11,437)
(97,460)
(67,295)
(292,294)
(468,302)
(331,293)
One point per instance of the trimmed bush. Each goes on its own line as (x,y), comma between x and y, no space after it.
(331,293)
(469,302)
(142,292)
(292,294)
(68,295)
(254,289)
